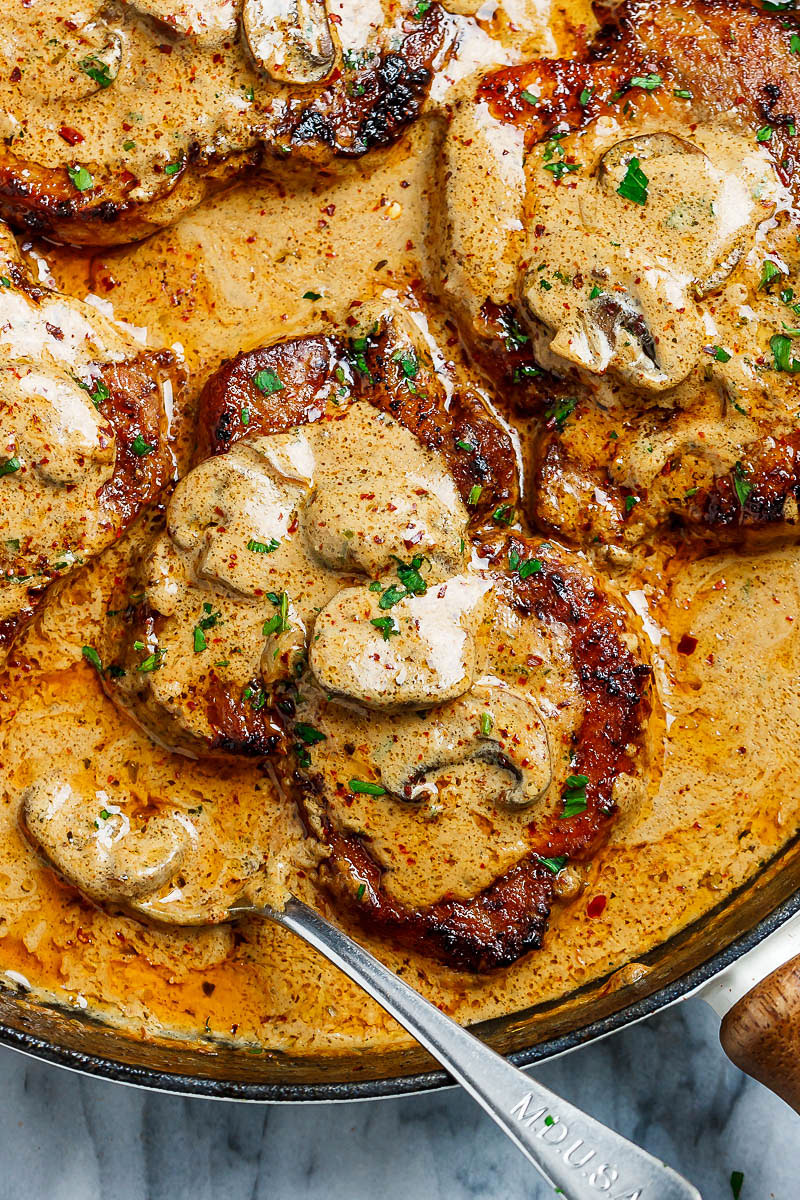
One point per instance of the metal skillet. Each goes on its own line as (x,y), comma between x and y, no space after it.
(575,1153)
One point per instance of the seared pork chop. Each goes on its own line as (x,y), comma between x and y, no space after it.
(455,708)
(83,435)
(640,293)
(116,118)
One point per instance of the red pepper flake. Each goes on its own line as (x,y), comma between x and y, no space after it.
(595,906)
(15,75)
(687,644)
(71,136)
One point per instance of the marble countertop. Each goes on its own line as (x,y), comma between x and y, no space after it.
(664,1083)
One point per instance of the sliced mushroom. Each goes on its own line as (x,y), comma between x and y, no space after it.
(491,723)
(623,254)
(94,846)
(416,653)
(208,22)
(291,40)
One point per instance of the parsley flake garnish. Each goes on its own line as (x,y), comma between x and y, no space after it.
(682,93)
(561,410)
(199,640)
(769,272)
(80,178)
(553,864)
(268,382)
(9,465)
(421,9)
(764,133)
(467,447)
(781,346)
(91,656)
(97,70)
(386,625)
(633,185)
(487,722)
(152,662)
(312,295)
(308,734)
(742,485)
(504,514)
(172,168)
(574,796)
(278,623)
(140,447)
(647,82)
(720,354)
(531,566)
(263,547)
(365,788)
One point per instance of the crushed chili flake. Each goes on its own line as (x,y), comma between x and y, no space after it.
(596,906)
(687,644)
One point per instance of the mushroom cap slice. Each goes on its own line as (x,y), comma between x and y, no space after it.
(290,39)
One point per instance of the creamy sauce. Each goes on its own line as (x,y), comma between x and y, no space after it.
(720,796)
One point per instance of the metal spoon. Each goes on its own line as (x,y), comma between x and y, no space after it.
(574,1153)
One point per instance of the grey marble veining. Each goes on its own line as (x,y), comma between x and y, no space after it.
(664,1083)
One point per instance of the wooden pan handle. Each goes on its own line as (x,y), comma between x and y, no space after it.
(761,1033)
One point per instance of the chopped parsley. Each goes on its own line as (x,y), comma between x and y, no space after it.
(375,586)
(421,9)
(781,346)
(278,623)
(504,514)
(487,722)
(633,185)
(129,145)
(574,796)
(152,662)
(764,133)
(526,371)
(245,416)
(172,168)
(263,547)
(386,625)
(474,494)
(91,656)
(553,864)
(561,410)
(97,70)
(140,447)
(409,363)
(560,168)
(308,734)
(631,502)
(210,619)
(365,788)
(531,566)
(682,93)
(515,337)
(80,178)
(720,354)
(5,281)
(9,465)
(199,640)
(769,272)
(648,82)
(585,96)
(467,447)
(794,43)
(268,382)
(742,485)
(312,295)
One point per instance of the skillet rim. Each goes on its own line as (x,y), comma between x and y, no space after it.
(99,1067)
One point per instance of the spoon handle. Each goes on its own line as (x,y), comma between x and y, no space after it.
(574,1153)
